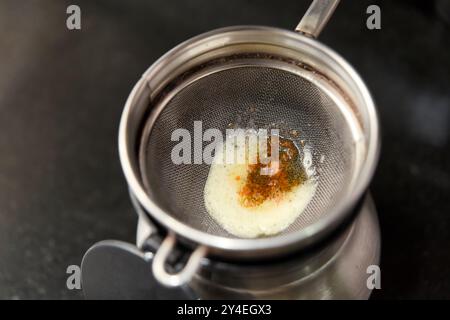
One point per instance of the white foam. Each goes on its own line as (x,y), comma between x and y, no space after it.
(271,217)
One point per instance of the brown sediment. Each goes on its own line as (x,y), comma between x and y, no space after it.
(259,187)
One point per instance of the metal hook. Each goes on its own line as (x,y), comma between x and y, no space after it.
(182,277)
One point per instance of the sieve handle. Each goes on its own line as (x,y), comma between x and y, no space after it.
(183,276)
(317,16)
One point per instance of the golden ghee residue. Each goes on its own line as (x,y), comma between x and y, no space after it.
(258,187)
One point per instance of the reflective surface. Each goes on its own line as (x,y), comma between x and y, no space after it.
(336,270)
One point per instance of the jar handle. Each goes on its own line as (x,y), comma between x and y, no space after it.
(182,277)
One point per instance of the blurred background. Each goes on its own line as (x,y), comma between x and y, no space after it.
(62,93)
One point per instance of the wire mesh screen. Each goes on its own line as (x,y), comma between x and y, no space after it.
(276,98)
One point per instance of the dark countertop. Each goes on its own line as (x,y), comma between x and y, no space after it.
(62,93)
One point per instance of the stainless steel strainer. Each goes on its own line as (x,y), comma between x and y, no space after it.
(285,78)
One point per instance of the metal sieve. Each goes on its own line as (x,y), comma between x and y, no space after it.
(263,76)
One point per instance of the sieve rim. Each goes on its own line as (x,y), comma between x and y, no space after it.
(253,247)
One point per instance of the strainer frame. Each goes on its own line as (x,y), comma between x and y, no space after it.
(157,76)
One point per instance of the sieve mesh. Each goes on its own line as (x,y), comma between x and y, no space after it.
(275,96)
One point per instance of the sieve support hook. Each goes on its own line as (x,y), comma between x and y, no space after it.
(316,17)
(183,276)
